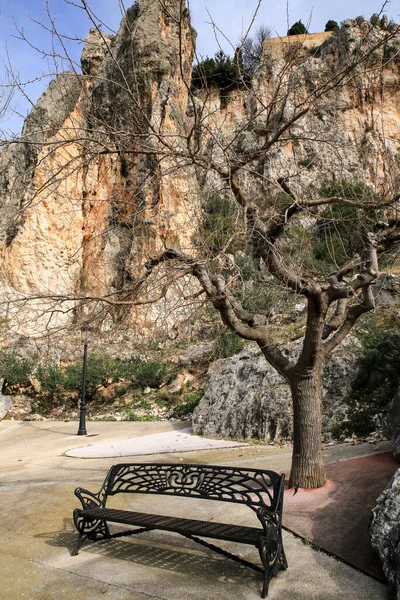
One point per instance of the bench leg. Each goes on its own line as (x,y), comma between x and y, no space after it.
(263,550)
(79,542)
(272,555)
(282,559)
(92,530)
(265,588)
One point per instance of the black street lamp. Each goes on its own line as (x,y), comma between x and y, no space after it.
(82,416)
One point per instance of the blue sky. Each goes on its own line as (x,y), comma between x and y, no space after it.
(231,16)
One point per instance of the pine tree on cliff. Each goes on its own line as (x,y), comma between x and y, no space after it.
(297,29)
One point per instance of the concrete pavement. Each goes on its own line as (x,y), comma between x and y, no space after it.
(37,482)
(180,440)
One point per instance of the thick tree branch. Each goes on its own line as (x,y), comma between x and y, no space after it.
(370,271)
(248,326)
(336,320)
(353,313)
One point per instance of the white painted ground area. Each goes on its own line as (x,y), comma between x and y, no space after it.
(158,443)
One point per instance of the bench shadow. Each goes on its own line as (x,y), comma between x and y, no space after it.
(160,551)
(64,538)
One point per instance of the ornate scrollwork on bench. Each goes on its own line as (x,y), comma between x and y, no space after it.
(260,490)
(245,486)
(92,529)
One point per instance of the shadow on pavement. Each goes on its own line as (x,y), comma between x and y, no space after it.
(336,517)
(158,551)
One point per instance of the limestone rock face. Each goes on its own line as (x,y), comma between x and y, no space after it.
(385,533)
(93,211)
(19,161)
(245,398)
(103,176)
(97,45)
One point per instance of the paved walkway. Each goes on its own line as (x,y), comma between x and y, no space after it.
(37,481)
(157,443)
(336,517)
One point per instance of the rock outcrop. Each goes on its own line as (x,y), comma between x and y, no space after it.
(5,405)
(385,533)
(393,425)
(82,210)
(112,162)
(245,398)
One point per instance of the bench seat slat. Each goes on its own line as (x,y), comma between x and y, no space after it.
(221,531)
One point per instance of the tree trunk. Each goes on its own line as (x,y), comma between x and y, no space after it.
(307,465)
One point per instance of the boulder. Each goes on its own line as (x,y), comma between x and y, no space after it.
(20,407)
(198,354)
(385,533)
(5,405)
(393,425)
(245,398)
(386,290)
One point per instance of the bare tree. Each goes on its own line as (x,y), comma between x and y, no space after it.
(129,165)
(251,49)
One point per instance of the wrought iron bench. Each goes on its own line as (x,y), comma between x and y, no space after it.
(261,490)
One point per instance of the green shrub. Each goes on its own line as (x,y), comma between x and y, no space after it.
(132,416)
(187,405)
(123,368)
(378,377)
(341,229)
(14,369)
(51,377)
(100,367)
(229,344)
(121,390)
(218,224)
(163,398)
(221,72)
(150,374)
(336,430)
(360,421)
(55,378)
(331,25)
(73,377)
(353,190)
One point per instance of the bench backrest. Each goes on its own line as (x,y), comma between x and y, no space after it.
(254,487)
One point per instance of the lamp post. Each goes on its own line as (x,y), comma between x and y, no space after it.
(82,416)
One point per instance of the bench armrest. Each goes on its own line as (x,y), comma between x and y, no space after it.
(91,500)
(266,517)
(273,515)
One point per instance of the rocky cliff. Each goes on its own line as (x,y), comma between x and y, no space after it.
(106,173)
(82,210)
